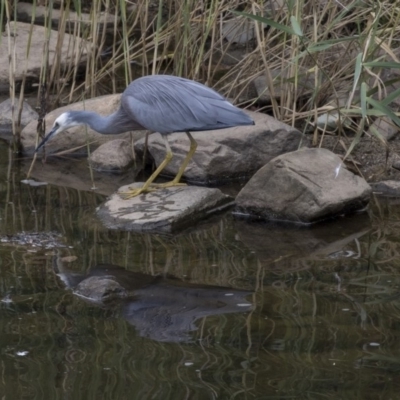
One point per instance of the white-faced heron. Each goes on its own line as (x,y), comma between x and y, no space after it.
(164,104)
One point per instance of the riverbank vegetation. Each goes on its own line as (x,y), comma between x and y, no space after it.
(327,65)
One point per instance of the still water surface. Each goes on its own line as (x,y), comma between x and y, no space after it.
(239,311)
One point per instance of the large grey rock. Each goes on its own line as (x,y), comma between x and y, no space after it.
(304,186)
(226,154)
(77,137)
(164,210)
(34,36)
(115,155)
(7,116)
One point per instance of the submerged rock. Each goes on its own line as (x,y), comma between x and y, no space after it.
(164,210)
(304,186)
(226,154)
(75,139)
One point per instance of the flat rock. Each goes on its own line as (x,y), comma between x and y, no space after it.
(304,186)
(75,140)
(31,66)
(226,154)
(7,116)
(40,15)
(115,155)
(164,210)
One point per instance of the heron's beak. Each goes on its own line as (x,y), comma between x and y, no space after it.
(41,144)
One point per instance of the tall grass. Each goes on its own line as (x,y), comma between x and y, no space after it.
(347,47)
(352,50)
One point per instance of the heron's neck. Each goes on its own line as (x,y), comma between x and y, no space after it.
(112,124)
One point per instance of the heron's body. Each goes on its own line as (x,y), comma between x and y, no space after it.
(164,104)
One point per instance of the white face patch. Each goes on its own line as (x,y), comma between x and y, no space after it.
(63,122)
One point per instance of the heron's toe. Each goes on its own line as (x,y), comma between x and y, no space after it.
(168,184)
(134,192)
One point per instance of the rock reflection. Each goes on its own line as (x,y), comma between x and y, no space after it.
(273,243)
(73,173)
(161,308)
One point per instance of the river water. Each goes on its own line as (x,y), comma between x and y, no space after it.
(226,310)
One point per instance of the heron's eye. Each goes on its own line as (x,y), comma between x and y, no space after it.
(56,125)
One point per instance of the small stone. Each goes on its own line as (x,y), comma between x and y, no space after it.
(385,127)
(115,155)
(396,163)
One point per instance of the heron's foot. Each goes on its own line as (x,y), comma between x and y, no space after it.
(150,188)
(130,193)
(168,184)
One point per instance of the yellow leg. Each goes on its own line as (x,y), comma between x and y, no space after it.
(175,181)
(146,187)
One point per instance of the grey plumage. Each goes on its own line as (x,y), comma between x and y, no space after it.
(168,104)
(164,104)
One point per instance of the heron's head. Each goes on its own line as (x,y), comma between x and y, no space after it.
(64,121)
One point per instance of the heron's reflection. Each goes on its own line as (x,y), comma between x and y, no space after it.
(161,308)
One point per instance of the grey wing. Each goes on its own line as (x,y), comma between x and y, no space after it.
(167,104)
